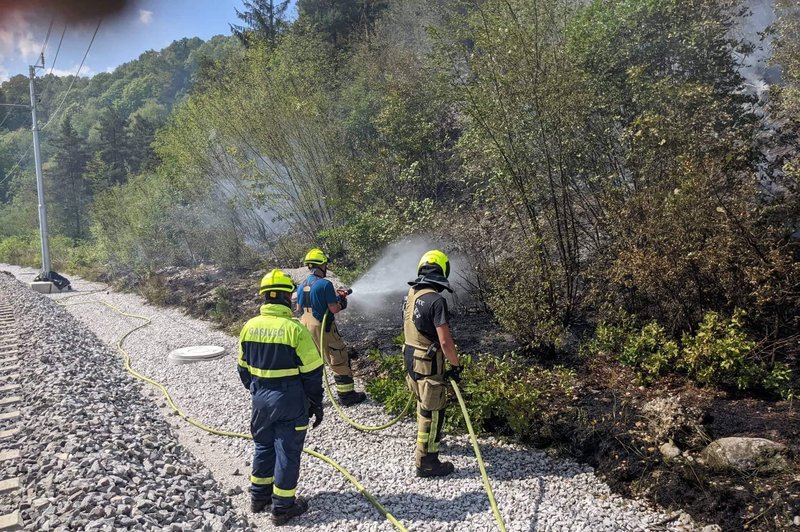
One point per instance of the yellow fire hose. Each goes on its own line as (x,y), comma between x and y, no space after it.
(336,405)
(127,361)
(490,494)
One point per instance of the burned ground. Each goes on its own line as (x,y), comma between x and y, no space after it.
(610,423)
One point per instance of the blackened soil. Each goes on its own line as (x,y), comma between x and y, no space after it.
(609,424)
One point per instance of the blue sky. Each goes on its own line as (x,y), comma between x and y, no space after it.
(148,24)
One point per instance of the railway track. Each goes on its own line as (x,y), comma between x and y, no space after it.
(9,414)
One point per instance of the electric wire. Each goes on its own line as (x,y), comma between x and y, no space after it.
(53,116)
(74,78)
(46,40)
(6,117)
(58,49)
(10,172)
(174,406)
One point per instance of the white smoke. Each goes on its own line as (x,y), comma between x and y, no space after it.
(753,29)
(385,283)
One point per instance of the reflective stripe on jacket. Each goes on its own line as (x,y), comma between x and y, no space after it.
(274,349)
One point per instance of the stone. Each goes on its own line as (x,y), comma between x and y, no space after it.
(669,451)
(745,454)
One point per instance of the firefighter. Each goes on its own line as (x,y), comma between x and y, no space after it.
(281,366)
(428,342)
(315,297)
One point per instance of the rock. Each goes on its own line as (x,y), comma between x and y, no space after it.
(797,520)
(711,528)
(669,451)
(745,454)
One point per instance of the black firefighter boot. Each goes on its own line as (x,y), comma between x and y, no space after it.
(258,505)
(432,467)
(351,398)
(281,515)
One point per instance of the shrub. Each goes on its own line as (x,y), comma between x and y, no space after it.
(649,351)
(389,385)
(503,395)
(721,354)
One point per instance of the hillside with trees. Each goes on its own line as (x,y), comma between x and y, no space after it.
(626,202)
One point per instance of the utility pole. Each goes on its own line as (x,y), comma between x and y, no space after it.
(37,157)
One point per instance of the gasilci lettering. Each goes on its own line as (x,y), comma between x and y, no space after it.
(262,332)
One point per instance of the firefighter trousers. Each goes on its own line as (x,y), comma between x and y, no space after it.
(279,423)
(335,353)
(431,394)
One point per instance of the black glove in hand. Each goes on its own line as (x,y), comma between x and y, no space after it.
(453,373)
(316,412)
(343,302)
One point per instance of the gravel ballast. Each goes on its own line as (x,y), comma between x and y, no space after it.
(81,402)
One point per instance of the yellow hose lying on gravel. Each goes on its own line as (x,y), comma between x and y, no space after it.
(127,360)
(484,477)
(339,410)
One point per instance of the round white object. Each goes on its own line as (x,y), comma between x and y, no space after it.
(196,353)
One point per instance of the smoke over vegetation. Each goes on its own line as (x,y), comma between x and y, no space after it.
(382,287)
(754,29)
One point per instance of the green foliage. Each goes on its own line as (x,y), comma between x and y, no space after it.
(389,385)
(720,353)
(496,390)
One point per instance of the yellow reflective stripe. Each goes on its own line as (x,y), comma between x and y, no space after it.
(304,427)
(422,437)
(345,387)
(311,366)
(269,373)
(282,492)
(432,445)
(261,481)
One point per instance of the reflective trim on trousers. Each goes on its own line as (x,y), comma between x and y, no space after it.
(433,445)
(261,481)
(282,492)
(344,388)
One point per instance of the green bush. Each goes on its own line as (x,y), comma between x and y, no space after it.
(649,351)
(389,385)
(506,395)
(496,390)
(721,354)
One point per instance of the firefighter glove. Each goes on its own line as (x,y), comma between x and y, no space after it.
(454,373)
(315,411)
(343,302)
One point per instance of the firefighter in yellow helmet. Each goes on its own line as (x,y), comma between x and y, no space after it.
(428,342)
(315,297)
(280,365)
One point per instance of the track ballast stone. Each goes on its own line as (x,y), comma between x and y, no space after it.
(95,454)
(533,491)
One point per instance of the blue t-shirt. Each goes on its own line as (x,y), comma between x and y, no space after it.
(321,295)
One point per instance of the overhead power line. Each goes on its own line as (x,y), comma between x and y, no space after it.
(47,37)
(52,66)
(77,73)
(75,77)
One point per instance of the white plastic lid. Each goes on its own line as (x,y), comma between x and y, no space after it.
(196,353)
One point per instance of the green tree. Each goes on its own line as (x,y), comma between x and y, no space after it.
(71,190)
(264,21)
(341,21)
